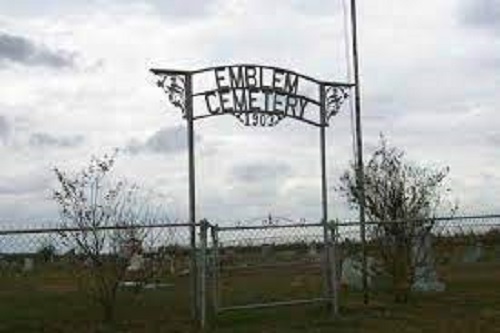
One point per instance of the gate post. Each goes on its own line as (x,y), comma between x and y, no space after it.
(215,268)
(203,273)
(324,202)
(335,266)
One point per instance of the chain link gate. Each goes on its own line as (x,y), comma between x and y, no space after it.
(249,267)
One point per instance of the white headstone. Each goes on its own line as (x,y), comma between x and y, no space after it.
(171,261)
(136,263)
(426,278)
(29,264)
(313,251)
(352,272)
(473,253)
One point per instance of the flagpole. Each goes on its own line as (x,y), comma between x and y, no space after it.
(359,150)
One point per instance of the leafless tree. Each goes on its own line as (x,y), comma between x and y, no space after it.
(402,199)
(98,216)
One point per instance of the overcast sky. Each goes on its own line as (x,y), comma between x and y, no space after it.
(75,82)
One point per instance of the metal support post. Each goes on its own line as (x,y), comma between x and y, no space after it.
(335,272)
(192,195)
(360,184)
(203,272)
(215,268)
(324,205)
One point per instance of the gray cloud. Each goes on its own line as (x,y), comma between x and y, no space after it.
(47,140)
(173,8)
(24,184)
(316,7)
(4,129)
(17,49)
(482,13)
(261,172)
(182,8)
(164,141)
(494,138)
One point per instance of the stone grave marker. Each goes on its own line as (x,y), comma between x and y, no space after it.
(426,278)
(312,251)
(28,265)
(136,263)
(171,262)
(352,272)
(266,250)
(473,253)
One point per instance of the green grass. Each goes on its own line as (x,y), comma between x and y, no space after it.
(48,301)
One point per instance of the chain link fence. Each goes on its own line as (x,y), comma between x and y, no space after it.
(283,264)
(427,255)
(239,267)
(138,270)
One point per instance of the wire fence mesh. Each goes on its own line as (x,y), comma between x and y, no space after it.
(419,255)
(136,270)
(240,266)
(259,265)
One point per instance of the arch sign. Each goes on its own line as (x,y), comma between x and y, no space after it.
(256,96)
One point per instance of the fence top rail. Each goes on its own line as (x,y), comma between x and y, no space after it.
(276,226)
(430,219)
(89,229)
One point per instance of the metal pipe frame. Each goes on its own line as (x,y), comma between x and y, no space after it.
(274,304)
(329,105)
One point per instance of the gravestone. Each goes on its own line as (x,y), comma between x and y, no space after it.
(473,253)
(28,265)
(266,250)
(313,250)
(171,261)
(426,278)
(352,272)
(136,263)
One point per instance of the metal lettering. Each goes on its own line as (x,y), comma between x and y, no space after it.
(209,105)
(219,78)
(277,79)
(253,100)
(255,119)
(267,94)
(291,105)
(263,118)
(278,102)
(240,102)
(303,104)
(236,77)
(251,76)
(291,83)
(224,101)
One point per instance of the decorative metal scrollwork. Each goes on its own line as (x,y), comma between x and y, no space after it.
(334,97)
(174,86)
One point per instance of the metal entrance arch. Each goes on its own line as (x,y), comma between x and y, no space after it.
(256,95)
